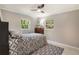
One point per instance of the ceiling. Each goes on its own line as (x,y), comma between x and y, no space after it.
(49,8)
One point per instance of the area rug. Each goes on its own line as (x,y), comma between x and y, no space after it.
(49,50)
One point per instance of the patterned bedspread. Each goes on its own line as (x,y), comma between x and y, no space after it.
(25,44)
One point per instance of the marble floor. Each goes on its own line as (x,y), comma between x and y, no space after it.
(67,50)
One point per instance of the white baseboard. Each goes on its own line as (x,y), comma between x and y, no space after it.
(62,45)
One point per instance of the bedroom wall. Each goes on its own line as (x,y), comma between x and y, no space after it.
(66,28)
(14,20)
(0,13)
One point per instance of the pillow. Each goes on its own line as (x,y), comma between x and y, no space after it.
(14,34)
(25,31)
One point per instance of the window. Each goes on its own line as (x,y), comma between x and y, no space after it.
(49,23)
(25,24)
(40,22)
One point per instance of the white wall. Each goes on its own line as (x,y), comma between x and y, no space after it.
(66,28)
(0,13)
(14,20)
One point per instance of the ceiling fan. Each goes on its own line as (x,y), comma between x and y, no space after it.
(39,8)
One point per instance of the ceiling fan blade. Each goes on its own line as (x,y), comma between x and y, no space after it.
(41,6)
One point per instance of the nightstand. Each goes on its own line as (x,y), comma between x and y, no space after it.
(39,30)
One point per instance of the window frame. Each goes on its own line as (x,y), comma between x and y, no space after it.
(29,25)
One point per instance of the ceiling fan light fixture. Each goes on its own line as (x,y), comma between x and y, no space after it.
(38,10)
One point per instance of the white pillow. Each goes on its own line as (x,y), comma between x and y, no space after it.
(25,31)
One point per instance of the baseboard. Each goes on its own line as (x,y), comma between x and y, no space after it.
(61,44)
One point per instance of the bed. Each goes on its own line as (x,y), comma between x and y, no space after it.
(25,44)
(31,44)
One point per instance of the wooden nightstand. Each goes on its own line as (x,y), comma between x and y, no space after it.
(39,30)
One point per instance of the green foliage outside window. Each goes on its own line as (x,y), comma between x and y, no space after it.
(49,23)
(24,24)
